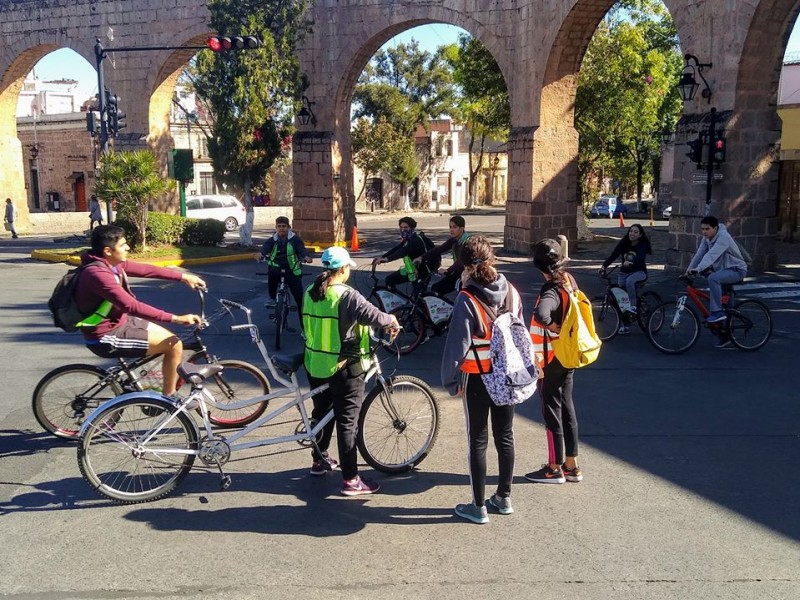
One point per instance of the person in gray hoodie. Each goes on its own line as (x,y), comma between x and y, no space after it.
(466,355)
(719,253)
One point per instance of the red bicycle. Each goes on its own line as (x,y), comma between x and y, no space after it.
(674,326)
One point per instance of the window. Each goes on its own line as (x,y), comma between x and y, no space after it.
(193,204)
(212,203)
(206,183)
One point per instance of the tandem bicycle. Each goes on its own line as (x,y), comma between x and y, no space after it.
(140,446)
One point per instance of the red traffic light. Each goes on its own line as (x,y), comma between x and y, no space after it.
(719,144)
(219,43)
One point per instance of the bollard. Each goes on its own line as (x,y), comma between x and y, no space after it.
(562,239)
(652,222)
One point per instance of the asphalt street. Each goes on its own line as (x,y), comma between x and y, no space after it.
(689,462)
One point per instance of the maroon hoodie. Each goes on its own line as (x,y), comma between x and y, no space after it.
(100,283)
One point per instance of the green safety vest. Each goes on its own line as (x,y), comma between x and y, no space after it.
(294,263)
(323,343)
(459,244)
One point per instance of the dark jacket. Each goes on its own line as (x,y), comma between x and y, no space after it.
(635,254)
(281,258)
(454,244)
(413,247)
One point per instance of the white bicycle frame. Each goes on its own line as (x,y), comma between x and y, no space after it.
(201,397)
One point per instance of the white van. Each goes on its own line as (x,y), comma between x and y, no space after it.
(220,207)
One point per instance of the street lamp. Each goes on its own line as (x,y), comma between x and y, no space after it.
(34,151)
(688,83)
(306,115)
(666,136)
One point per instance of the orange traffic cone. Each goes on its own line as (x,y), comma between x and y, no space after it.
(354,240)
(621,220)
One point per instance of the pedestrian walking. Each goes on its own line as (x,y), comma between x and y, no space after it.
(10,217)
(465,358)
(558,408)
(95,212)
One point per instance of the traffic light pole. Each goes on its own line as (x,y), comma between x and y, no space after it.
(712,132)
(99,56)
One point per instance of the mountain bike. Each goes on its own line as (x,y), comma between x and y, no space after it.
(141,445)
(674,326)
(66,395)
(609,316)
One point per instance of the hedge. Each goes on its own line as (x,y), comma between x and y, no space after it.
(165,229)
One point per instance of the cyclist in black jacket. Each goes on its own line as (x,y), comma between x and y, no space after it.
(412,246)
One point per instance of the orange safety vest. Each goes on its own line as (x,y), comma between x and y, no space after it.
(538,334)
(478,359)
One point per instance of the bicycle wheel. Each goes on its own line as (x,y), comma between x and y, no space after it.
(646,303)
(397,429)
(412,332)
(606,317)
(749,325)
(115,460)
(66,395)
(673,328)
(238,381)
(281,310)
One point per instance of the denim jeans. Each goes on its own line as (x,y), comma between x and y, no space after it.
(715,283)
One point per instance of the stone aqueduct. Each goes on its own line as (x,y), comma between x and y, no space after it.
(539,45)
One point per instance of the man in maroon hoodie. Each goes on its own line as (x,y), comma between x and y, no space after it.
(127,329)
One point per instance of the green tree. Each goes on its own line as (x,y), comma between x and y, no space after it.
(482,101)
(250,96)
(627,94)
(132,180)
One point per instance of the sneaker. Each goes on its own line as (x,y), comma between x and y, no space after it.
(470,512)
(269,303)
(575,475)
(723,343)
(623,330)
(631,309)
(503,505)
(359,487)
(716,316)
(546,475)
(320,467)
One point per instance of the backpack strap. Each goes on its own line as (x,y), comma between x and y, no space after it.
(484,311)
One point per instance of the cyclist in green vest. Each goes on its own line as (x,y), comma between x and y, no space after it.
(452,274)
(411,246)
(284,250)
(336,320)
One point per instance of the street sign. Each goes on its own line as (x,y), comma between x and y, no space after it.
(702,178)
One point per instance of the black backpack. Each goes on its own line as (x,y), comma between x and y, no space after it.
(435,261)
(62,302)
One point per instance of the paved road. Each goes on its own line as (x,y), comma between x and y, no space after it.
(689,491)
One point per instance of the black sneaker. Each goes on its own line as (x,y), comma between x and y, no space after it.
(574,475)
(327,464)
(546,475)
(723,343)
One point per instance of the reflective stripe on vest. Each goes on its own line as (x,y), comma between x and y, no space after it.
(294,264)
(538,334)
(323,342)
(482,363)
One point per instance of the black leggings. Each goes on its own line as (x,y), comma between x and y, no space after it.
(478,406)
(558,410)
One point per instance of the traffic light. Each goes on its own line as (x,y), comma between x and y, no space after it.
(92,122)
(223,43)
(695,152)
(719,151)
(115,117)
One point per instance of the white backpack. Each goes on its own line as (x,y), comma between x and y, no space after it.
(512,379)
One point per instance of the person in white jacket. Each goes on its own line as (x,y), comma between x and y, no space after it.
(719,253)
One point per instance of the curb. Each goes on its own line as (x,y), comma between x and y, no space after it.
(52,257)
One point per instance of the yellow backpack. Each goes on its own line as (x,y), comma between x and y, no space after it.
(577,344)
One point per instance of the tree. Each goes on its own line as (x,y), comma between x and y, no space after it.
(133,180)
(482,100)
(627,94)
(250,96)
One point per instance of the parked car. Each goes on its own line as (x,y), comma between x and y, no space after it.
(667,212)
(608,206)
(220,207)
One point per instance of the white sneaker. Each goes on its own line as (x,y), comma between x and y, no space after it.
(623,330)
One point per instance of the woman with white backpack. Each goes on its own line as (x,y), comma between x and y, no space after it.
(466,355)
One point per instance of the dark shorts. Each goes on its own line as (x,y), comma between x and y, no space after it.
(127,341)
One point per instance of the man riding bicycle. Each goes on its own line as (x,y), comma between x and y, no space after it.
(719,253)
(121,326)
(411,246)
(452,274)
(284,251)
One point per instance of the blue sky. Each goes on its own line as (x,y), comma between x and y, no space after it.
(67,64)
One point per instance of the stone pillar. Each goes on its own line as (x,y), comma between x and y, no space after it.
(318,203)
(543,193)
(12,179)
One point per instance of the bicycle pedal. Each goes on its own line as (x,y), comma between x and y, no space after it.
(225,482)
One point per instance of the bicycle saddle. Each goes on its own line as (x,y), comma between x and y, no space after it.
(197,373)
(288,363)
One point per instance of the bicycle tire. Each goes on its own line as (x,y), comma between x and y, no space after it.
(749,325)
(113,461)
(645,305)
(279,320)
(412,332)
(238,381)
(396,431)
(64,393)
(673,331)
(606,317)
